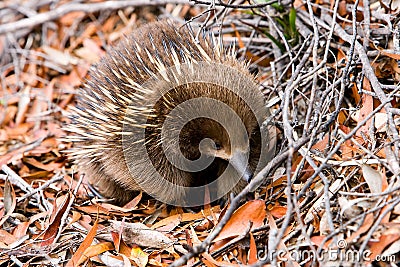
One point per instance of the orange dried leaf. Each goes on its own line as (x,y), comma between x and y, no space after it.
(109,24)
(79,256)
(342,8)
(96,250)
(116,237)
(20,130)
(395,56)
(278,211)
(169,227)
(252,250)
(322,144)
(9,114)
(347,148)
(21,229)
(342,117)
(366,109)
(341,54)
(171,220)
(368,222)
(71,17)
(299,4)
(6,237)
(386,239)
(52,230)
(85,222)
(356,95)
(131,205)
(71,80)
(155,259)
(214,262)
(75,217)
(317,240)
(185,217)
(251,212)
(120,245)
(29,76)
(94,48)
(37,164)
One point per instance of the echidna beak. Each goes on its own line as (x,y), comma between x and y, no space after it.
(239,161)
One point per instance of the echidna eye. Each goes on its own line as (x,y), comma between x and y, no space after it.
(217,146)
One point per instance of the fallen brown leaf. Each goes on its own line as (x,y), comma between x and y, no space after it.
(252,212)
(55,221)
(252,251)
(79,256)
(140,234)
(9,201)
(96,250)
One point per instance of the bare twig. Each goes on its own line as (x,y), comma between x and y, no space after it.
(370,74)
(58,12)
(15,179)
(56,178)
(246,6)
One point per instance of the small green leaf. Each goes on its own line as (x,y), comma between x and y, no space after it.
(281,22)
(292,20)
(276,42)
(278,7)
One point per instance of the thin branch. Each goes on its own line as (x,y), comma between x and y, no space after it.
(56,178)
(29,23)
(248,6)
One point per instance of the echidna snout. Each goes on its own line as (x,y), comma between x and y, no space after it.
(171,116)
(220,146)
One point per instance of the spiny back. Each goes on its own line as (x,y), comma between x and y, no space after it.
(131,92)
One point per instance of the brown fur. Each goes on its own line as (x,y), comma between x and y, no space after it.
(122,83)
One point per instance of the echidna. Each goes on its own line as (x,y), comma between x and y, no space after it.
(170,115)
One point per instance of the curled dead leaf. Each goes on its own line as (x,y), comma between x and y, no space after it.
(140,234)
(373,178)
